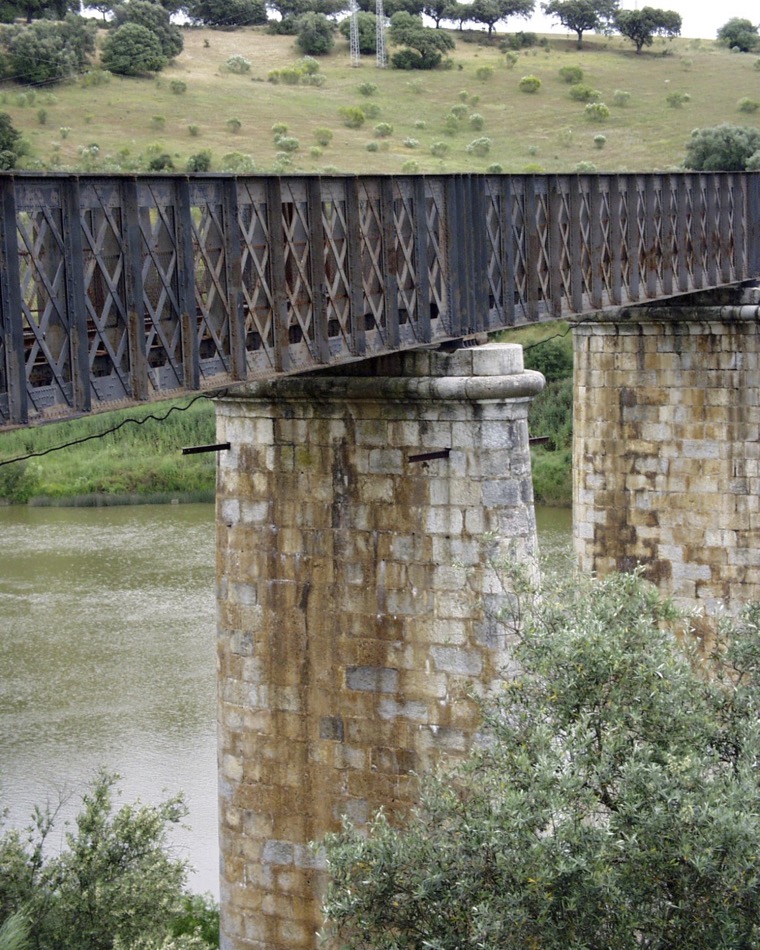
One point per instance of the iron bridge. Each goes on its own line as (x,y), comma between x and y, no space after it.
(121,289)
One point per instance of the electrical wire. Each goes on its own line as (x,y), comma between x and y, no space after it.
(101,435)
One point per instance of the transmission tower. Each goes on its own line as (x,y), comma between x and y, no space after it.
(382,58)
(355,53)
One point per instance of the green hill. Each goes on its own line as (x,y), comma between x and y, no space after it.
(122,124)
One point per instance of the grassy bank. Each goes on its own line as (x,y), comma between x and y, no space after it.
(141,462)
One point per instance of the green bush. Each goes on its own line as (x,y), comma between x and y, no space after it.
(621,98)
(316,34)
(747,105)
(411,143)
(238,163)
(451,125)
(440,149)
(600,140)
(315,151)
(495,168)
(233,125)
(480,146)
(572,75)
(373,147)
(410,167)
(476,121)
(200,162)
(579,92)
(194,130)
(178,87)
(510,59)
(353,116)
(722,148)
(383,129)
(287,143)
(323,137)
(237,64)
(367,88)
(597,112)
(530,84)
(460,110)
(484,73)
(158,122)
(676,100)
(586,168)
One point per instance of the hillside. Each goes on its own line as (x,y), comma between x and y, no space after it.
(132,120)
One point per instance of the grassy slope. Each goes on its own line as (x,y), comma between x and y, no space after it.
(547,130)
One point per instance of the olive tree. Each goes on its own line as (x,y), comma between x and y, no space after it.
(613,801)
(132,50)
(113,885)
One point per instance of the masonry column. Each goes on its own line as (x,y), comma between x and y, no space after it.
(352,582)
(666,451)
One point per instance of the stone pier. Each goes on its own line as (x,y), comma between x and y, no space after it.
(667,449)
(353,603)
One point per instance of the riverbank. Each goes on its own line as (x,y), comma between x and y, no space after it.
(133,456)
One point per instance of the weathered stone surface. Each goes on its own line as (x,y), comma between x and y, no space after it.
(666,438)
(351,587)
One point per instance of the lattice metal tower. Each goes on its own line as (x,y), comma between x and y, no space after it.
(355,52)
(382,58)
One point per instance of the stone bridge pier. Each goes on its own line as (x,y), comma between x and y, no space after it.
(667,446)
(353,595)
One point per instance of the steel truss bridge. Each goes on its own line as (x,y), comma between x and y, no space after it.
(120,289)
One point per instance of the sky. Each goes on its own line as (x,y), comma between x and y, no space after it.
(701,18)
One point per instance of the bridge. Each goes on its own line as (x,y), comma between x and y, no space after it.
(358,607)
(117,290)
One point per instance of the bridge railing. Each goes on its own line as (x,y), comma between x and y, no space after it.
(117,289)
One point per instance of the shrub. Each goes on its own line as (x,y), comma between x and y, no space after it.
(484,73)
(233,125)
(579,92)
(420,124)
(367,88)
(725,148)
(353,116)
(194,130)
(323,137)
(439,149)
(495,169)
(373,147)
(308,65)
(132,50)
(178,87)
(371,110)
(530,84)
(64,131)
(476,121)
(480,146)
(572,75)
(408,59)
(238,65)
(410,167)
(316,34)
(200,162)
(597,112)
(383,129)
(460,110)
(510,59)
(238,163)
(161,163)
(676,100)
(451,124)
(747,105)
(600,140)
(279,128)
(463,95)
(585,168)
(158,122)
(411,143)
(42,116)
(621,98)
(94,77)
(287,143)
(315,151)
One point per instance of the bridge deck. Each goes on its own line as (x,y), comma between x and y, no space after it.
(117,289)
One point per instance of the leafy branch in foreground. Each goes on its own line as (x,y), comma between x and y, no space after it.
(614,801)
(113,886)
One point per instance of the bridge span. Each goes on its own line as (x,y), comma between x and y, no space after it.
(121,289)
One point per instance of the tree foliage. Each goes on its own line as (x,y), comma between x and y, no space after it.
(316,34)
(582,16)
(425,44)
(641,26)
(154,18)
(47,50)
(738,33)
(367,25)
(725,148)
(132,50)
(113,885)
(491,12)
(228,13)
(614,801)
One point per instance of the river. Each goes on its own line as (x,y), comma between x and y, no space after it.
(107,659)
